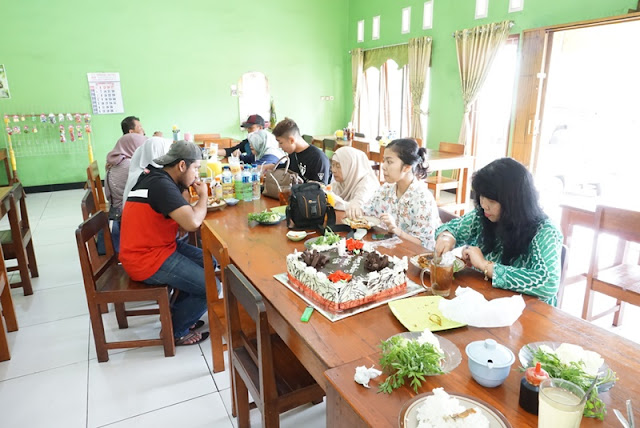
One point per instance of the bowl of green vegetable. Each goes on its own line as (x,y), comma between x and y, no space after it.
(266,217)
(329,238)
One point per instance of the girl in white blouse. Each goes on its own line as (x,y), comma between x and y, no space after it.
(404,203)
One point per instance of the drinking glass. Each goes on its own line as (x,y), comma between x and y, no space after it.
(283,195)
(441,278)
(560,404)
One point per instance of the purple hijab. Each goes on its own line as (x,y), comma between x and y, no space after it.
(125,147)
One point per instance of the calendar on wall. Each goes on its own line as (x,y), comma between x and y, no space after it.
(106,94)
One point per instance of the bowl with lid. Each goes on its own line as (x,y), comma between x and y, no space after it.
(489,362)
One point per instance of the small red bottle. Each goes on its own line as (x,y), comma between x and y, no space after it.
(530,386)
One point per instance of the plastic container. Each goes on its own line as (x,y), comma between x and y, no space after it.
(227,183)
(237,186)
(255,181)
(489,362)
(247,186)
(530,388)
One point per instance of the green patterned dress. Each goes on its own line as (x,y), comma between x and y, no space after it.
(537,272)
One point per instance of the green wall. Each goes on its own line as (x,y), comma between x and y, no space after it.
(445,102)
(176,61)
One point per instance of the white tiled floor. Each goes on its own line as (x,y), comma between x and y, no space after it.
(54,379)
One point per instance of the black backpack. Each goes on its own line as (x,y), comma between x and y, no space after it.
(308,207)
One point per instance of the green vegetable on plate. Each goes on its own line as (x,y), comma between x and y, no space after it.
(329,238)
(264,217)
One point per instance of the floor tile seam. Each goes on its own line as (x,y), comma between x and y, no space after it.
(209,367)
(41,371)
(48,322)
(155,410)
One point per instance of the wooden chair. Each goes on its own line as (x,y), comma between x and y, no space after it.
(223,143)
(318,143)
(17,242)
(362,146)
(446,216)
(199,138)
(329,147)
(308,138)
(8,311)
(622,280)
(95,184)
(377,166)
(264,366)
(11,175)
(437,182)
(105,281)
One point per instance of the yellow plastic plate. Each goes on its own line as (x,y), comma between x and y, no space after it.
(420,313)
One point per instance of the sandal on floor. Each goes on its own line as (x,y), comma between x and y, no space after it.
(192,338)
(198,324)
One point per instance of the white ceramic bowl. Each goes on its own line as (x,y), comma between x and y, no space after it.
(232,201)
(296,236)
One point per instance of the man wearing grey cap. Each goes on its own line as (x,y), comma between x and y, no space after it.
(149,251)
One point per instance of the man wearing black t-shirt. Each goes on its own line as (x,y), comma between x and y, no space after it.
(308,161)
(149,251)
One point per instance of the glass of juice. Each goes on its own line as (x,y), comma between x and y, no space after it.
(560,404)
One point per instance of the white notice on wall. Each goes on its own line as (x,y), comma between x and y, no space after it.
(106,95)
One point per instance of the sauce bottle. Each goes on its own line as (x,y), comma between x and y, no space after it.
(530,386)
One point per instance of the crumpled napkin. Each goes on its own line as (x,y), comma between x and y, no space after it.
(470,307)
(364,375)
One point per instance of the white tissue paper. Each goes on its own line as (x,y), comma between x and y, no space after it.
(470,307)
(447,259)
(364,375)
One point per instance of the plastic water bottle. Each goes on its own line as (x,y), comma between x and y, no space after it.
(247,186)
(237,185)
(227,183)
(255,181)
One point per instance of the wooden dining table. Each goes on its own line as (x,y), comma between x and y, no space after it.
(330,351)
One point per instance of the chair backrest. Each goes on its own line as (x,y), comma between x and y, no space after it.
(419,141)
(4,156)
(362,146)
(213,247)
(307,138)
(446,216)
(88,205)
(95,184)
(619,222)
(239,291)
(93,266)
(358,134)
(203,137)
(456,148)
(329,147)
(19,197)
(223,143)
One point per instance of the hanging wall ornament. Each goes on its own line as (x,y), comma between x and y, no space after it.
(25,129)
(78,118)
(16,129)
(63,138)
(79,132)
(87,118)
(52,118)
(34,130)
(22,118)
(16,118)
(69,117)
(9,130)
(43,118)
(60,117)
(71,133)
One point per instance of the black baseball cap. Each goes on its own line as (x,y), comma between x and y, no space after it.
(254,119)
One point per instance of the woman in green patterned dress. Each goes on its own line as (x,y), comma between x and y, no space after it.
(507,236)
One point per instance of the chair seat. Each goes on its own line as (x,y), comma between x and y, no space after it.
(619,281)
(441,181)
(116,279)
(7,238)
(290,374)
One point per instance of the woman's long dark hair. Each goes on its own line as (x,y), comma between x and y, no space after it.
(509,183)
(410,154)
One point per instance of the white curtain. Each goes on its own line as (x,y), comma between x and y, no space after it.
(357,77)
(476,48)
(419,59)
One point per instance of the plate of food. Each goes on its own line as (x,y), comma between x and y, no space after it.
(439,408)
(422,312)
(329,238)
(266,217)
(562,359)
(364,222)
(449,350)
(215,204)
(422,261)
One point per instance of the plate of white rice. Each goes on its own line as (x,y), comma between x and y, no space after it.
(438,409)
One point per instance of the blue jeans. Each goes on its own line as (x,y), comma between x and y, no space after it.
(115,235)
(184,270)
